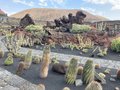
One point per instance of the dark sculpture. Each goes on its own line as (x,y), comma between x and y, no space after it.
(66,22)
(26,20)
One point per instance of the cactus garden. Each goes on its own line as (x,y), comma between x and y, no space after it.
(70,52)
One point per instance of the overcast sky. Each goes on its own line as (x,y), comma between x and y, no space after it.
(107,8)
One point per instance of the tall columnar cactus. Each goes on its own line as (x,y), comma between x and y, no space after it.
(88,72)
(94,86)
(9,59)
(28,59)
(1,53)
(71,73)
(45,62)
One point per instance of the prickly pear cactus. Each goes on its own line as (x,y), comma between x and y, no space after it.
(28,59)
(9,60)
(94,86)
(45,62)
(71,73)
(88,72)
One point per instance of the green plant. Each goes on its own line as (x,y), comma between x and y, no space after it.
(94,86)
(9,59)
(45,62)
(72,70)
(31,28)
(76,28)
(102,52)
(1,53)
(28,59)
(88,72)
(115,44)
(36,59)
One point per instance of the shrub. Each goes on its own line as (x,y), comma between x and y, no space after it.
(76,28)
(30,28)
(115,44)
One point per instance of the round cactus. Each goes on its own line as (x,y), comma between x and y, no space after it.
(88,72)
(72,70)
(9,60)
(66,88)
(94,86)
(118,74)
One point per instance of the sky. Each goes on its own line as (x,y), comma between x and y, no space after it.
(106,8)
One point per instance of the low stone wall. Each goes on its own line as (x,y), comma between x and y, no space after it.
(9,81)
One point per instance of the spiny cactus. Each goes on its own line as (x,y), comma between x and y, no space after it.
(45,62)
(71,73)
(36,59)
(1,53)
(9,59)
(118,74)
(88,72)
(20,68)
(28,59)
(41,87)
(66,88)
(94,86)
(80,70)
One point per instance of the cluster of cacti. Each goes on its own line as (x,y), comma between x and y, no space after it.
(54,60)
(36,59)
(88,72)
(28,59)
(45,62)
(71,72)
(76,28)
(118,74)
(115,45)
(94,86)
(9,59)
(102,52)
(20,68)
(84,42)
(1,53)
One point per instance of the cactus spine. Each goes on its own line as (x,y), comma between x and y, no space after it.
(45,62)
(94,86)
(28,59)
(71,73)
(88,72)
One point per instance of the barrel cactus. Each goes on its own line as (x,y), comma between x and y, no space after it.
(88,72)
(36,59)
(118,74)
(45,62)
(28,59)
(9,59)
(94,86)
(72,70)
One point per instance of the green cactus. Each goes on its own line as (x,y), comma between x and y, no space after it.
(36,59)
(1,53)
(9,60)
(45,62)
(71,73)
(88,72)
(94,86)
(28,59)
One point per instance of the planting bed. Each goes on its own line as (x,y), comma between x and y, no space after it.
(110,56)
(55,81)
